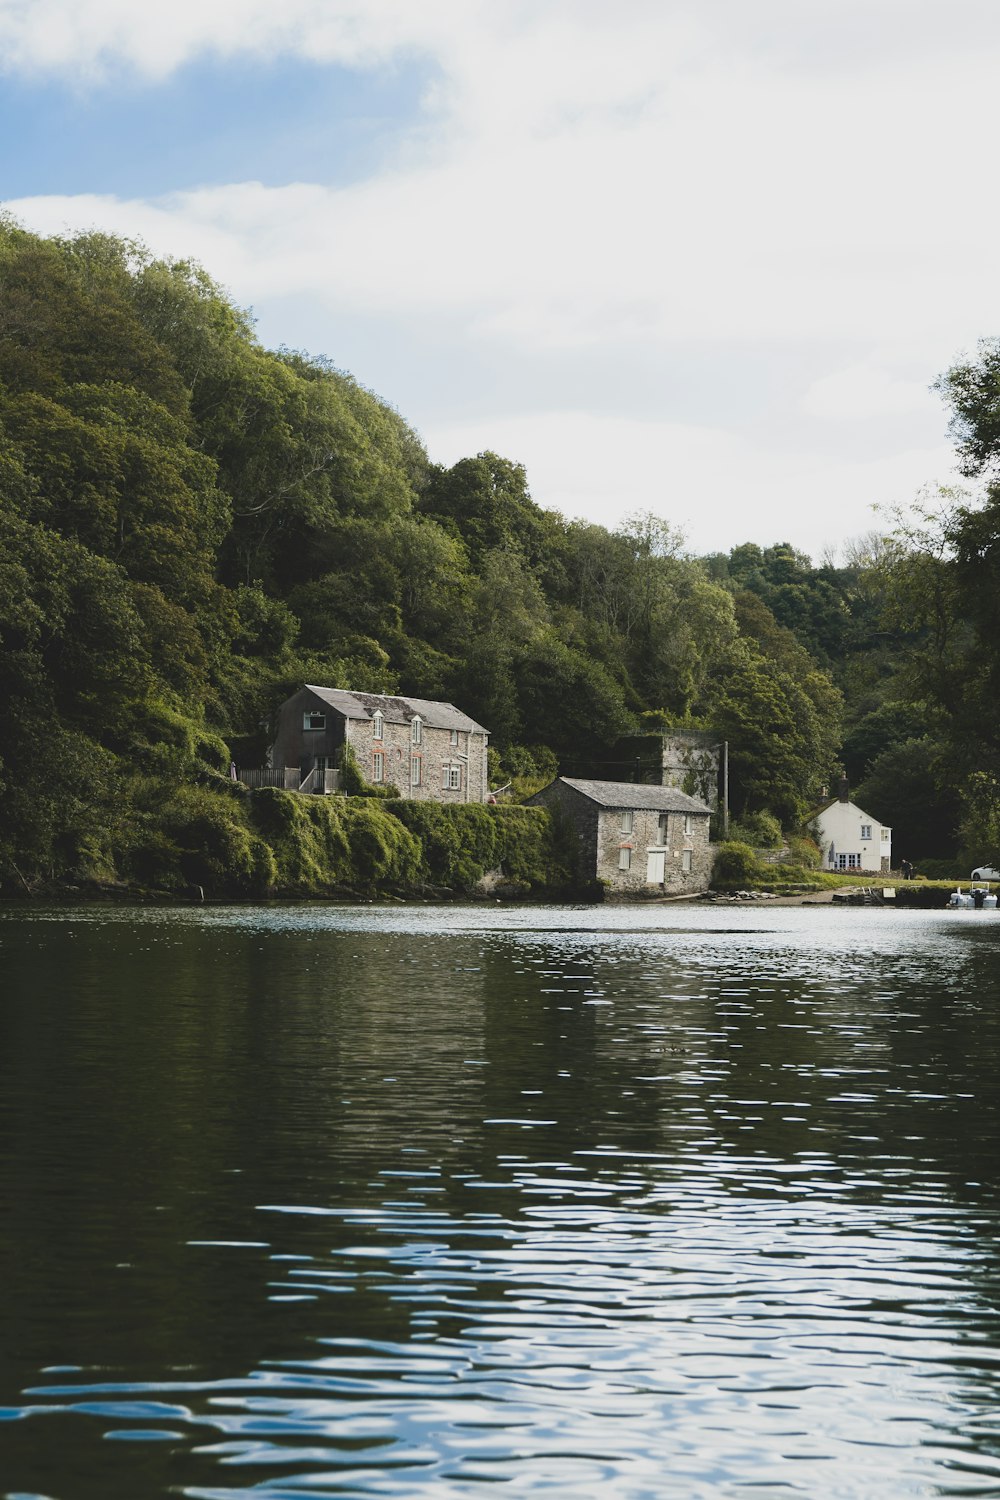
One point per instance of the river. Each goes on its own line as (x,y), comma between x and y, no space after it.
(415,1201)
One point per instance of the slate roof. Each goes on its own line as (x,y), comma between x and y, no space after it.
(636,795)
(396,710)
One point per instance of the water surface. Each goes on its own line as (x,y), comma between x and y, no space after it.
(326,1201)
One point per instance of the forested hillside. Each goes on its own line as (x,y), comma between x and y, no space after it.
(194,525)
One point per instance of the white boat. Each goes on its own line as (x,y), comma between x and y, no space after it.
(976,898)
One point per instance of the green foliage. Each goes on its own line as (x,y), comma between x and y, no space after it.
(459,843)
(908,787)
(194,525)
(804,853)
(761,830)
(215,847)
(534,850)
(736,866)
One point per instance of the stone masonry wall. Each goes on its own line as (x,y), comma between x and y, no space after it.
(646,835)
(434,753)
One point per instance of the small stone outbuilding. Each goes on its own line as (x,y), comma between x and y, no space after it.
(636,839)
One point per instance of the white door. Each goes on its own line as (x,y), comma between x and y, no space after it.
(655,862)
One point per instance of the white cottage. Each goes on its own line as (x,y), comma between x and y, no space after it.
(850,838)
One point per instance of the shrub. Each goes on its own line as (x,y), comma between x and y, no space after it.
(735,865)
(761,830)
(534,849)
(216,848)
(459,842)
(804,853)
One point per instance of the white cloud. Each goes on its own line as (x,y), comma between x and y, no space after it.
(646,179)
(718,487)
(864,392)
(84,39)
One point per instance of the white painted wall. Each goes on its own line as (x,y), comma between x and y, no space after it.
(839,829)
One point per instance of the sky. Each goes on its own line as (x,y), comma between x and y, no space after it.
(700,257)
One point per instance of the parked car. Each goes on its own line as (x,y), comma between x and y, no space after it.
(985,872)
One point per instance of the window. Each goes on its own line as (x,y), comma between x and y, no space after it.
(451,778)
(313,721)
(414,770)
(625,859)
(686,861)
(661,829)
(687,825)
(848,861)
(377,727)
(866,830)
(378,766)
(417,732)
(454,737)
(627,821)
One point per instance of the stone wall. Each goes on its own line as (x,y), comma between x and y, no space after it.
(691,764)
(647,834)
(601,838)
(434,753)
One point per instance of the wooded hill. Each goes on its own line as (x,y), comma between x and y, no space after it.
(193,525)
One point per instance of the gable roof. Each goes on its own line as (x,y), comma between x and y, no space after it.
(829,806)
(395,710)
(635,795)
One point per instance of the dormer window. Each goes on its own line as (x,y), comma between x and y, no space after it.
(313,721)
(417,732)
(377,726)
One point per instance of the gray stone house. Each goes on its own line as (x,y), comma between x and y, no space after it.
(429,751)
(636,838)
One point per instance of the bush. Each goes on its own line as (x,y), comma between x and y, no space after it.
(735,865)
(459,842)
(216,848)
(534,849)
(804,853)
(761,830)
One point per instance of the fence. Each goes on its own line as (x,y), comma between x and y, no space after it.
(290,779)
(287,777)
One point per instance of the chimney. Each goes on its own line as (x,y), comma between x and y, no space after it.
(843,790)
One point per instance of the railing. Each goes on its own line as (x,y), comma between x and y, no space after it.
(286,777)
(290,779)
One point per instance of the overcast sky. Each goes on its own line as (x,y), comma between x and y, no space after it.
(704,257)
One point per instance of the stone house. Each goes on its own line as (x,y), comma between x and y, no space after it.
(851,839)
(429,751)
(637,839)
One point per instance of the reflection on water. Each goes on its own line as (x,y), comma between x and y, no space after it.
(368,1201)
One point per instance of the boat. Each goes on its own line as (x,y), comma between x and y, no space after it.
(976,898)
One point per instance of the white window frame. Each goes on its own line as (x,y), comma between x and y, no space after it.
(417,732)
(663,831)
(688,825)
(310,716)
(625,857)
(686,861)
(415,771)
(628,820)
(866,831)
(378,767)
(454,739)
(378,727)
